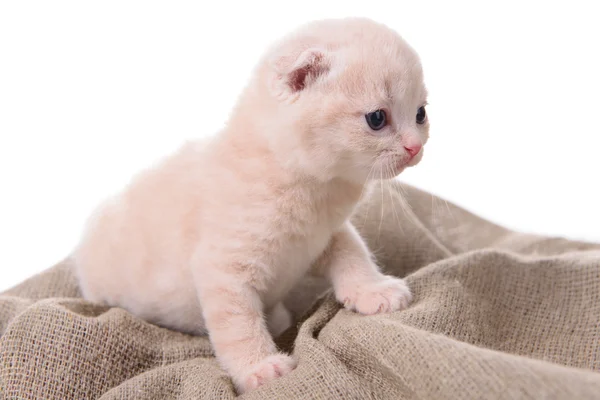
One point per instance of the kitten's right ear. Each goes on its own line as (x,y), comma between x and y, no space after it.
(292,75)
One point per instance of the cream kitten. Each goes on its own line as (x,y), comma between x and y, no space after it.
(213,238)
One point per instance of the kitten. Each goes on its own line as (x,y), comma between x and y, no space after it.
(213,238)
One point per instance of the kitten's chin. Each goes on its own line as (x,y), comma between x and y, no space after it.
(389,172)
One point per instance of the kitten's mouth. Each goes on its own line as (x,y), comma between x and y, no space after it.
(395,166)
(402,162)
(396,163)
(415,160)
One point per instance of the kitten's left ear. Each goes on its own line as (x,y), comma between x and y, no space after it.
(294,75)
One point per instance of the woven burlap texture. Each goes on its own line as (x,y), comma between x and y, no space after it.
(496,315)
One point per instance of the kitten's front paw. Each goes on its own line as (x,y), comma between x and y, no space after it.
(384,295)
(269,368)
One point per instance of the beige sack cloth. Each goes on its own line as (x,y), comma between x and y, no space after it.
(496,315)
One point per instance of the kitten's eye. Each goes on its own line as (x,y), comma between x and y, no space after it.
(377,120)
(421,115)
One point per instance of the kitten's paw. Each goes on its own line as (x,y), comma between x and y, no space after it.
(266,370)
(384,295)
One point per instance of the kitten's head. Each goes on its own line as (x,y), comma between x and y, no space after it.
(347,100)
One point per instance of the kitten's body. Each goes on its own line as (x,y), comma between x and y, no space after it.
(188,208)
(216,235)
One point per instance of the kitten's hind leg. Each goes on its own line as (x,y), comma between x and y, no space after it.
(278,319)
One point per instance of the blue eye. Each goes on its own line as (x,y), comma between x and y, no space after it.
(377,120)
(421,115)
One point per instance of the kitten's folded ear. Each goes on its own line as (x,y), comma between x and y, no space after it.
(292,75)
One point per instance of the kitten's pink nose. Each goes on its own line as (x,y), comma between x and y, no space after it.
(413,148)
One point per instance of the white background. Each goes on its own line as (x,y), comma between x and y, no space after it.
(90,92)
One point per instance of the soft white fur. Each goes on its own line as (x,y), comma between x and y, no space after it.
(215,236)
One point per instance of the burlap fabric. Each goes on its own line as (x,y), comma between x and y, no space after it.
(496,315)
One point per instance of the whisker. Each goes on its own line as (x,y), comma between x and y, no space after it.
(381,214)
(433,206)
(393,203)
(406,207)
(449,210)
(367,183)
